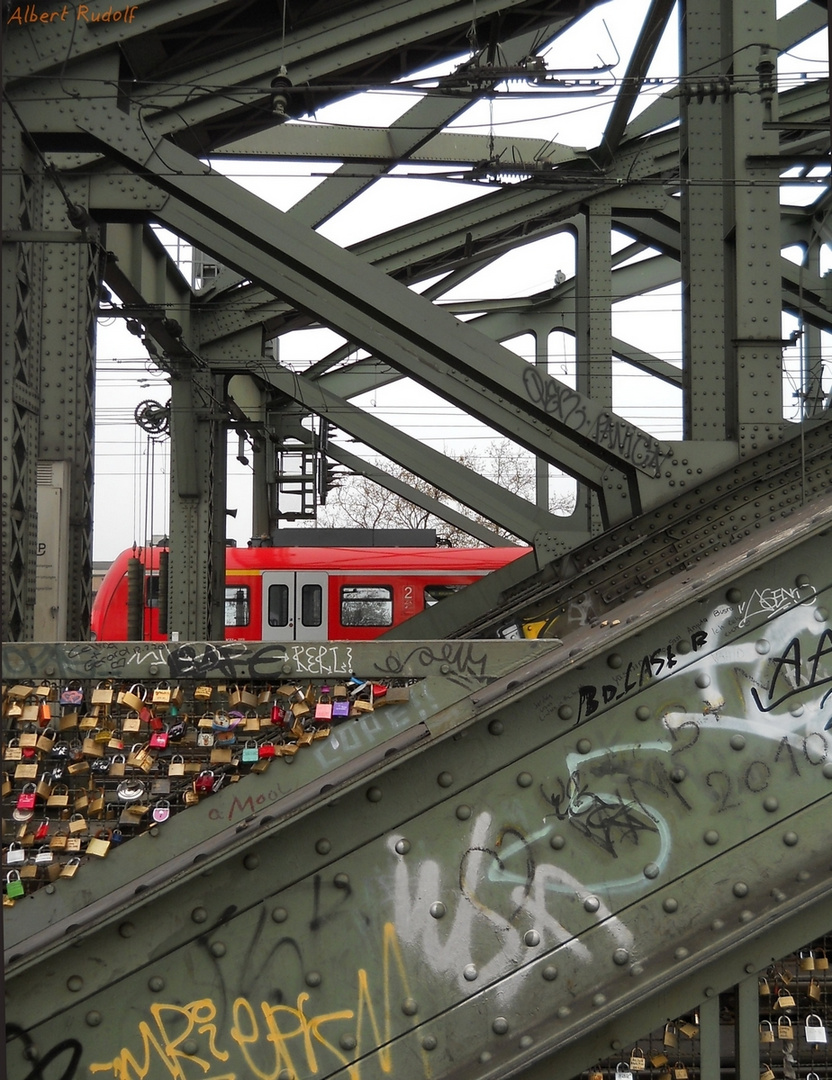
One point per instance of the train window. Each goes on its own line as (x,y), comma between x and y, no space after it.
(435,593)
(151,589)
(312,605)
(278,606)
(366,605)
(237,605)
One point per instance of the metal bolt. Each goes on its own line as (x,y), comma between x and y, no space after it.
(280,914)
(496,727)
(737,742)
(565,712)
(550,973)
(402,847)
(437,909)
(313,978)
(469,973)
(790,838)
(374,794)
(711,837)
(428,1042)
(409,1007)
(156,983)
(463,811)
(584,746)
(620,957)
(199,914)
(93,1018)
(670,905)
(444,779)
(642,713)
(74,983)
(651,870)
(218,949)
(251,861)
(525,779)
(592,903)
(531,938)
(500,1025)
(323,846)
(740,889)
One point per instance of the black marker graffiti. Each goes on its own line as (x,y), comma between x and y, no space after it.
(792,676)
(604,820)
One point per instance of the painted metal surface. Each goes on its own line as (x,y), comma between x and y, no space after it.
(579,843)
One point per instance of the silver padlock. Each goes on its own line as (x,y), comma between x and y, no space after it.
(815,1031)
(623,1071)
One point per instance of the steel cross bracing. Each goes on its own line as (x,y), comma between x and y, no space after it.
(548,851)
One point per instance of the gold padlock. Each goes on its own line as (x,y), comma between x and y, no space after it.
(765,989)
(766,1072)
(806,960)
(813,990)
(638,1062)
(766,1031)
(679,1071)
(785,1030)
(784,1000)
(821,960)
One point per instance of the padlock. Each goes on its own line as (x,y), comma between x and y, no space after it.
(134,698)
(26,798)
(205,738)
(42,831)
(102,694)
(658,1060)
(821,960)
(622,1071)
(806,960)
(44,786)
(176,766)
(99,844)
(91,746)
(59,840)
(15,855)
(59,799)
(638,1062)
(77,824)
(159,740)
(14,886)
(160,811)
(340,709)
(26,770)
(117,766)
(766,1072)
(595,1074)
(70,867)
(689,1030)
(814,1029)
(783,1000)
(266,750)
(220,755)
(131,723)
(785,1030)
(161,695)
(813,990)
(72,695)
(764,988)
(96,804)
(670,1035)
(766,1031)
(250,752)
(323,707)
(204,783)
(46,740)
(43,856)
(679,1071)
(203,693)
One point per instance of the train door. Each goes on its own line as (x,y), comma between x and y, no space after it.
(295,605)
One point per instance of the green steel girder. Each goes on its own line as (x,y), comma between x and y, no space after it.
(562,854)
(402,327)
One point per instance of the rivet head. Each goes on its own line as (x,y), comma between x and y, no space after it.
(374,794)
(93,1018)
(620,957)
(199,915)
(190,1047)
(615,660)
(218,949)
(827,770)
(342,880)
(803,875)
(313,978)
(526,1041)
(409,1007)
(557,842)
(126,929)
(347,1042)
(592,903)
(566,712)
(740,888)
(718,924)
(778,896)
(74,983)
(531,938)
(711,837)
(678,774)
(746,916)
(323,847)
(524,779)
(790,838)
(496,727)
(444,779)
(762,646)
(670,905)
(709,991)
(737,742)
(500,1025)
(156,983)
(402,846)
(733,596)
(642,713)
(550,973)
(681,953)
(636,969)
(771,803)
(598,1000)
(437,910)
(821,614)
(463,811)
(796,710)
(584,746)
(651,870)
(563,1012)
(485,1057)
(702,680)
(251,861)
(279,914)
(428,1042)
(469,973)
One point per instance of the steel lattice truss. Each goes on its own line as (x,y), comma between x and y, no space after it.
(120,116)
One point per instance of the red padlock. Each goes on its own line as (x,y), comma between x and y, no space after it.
(159,740)
(42,830)
(266,750)
(277,714)
(204,783)
(26,799)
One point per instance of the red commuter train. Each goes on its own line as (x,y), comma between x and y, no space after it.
(308,593)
